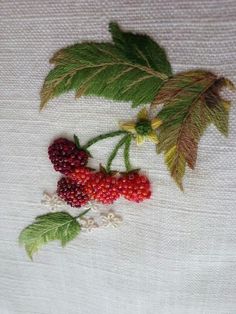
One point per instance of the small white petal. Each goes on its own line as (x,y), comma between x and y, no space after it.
(111,219)
(88,224)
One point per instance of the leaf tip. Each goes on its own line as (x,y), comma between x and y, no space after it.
(181,187)
(225,133)
(113,27)
(230,85)
(30,256)
(43,102)
(41,107)
(77,142)
(179,183)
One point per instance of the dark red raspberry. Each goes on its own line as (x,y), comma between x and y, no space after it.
(65,156)
(81,175)
(134,187)
(102,187)
(72,192)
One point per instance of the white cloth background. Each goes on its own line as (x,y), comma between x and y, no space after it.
(175,253)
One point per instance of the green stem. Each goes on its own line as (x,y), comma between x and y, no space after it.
(115,151)
(102,137)
(83,213)
(77,143)
(126,153)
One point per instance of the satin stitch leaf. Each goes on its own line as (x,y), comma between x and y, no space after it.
(53,226)
(132,69)
(191,102)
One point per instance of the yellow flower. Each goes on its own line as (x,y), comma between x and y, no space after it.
(144,128)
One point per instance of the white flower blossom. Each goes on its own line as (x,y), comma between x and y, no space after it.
(111,219)
(52,201)
(92,205)
(88,224)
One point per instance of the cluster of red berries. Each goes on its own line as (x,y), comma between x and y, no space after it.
(82,183)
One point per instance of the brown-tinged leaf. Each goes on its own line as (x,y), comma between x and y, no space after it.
(176,164)
(191,102)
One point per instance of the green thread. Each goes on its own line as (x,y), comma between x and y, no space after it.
(103,137)
(126,153)
(83,213)
(133,64)
(76,140)
(143,127)
(114,152)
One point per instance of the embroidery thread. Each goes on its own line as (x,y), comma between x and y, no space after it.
(133,68)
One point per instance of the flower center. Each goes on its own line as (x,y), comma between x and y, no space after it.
(143,127)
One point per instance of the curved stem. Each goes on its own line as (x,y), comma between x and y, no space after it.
(126,153)
(102,137)
(114,152)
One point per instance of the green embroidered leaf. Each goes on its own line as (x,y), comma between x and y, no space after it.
(53,226)
(191,102)
(131,70)
(140,49)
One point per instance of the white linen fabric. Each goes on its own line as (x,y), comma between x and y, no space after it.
(175,253)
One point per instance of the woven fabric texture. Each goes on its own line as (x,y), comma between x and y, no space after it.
(175,253)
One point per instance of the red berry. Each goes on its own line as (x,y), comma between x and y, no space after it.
(72,192)
(81,175)
(103,187)
(65,156)
(134,187)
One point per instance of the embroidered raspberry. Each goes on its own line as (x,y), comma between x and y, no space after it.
(65,156)
(134,187)
(103,187)
(81,174)
(72,192)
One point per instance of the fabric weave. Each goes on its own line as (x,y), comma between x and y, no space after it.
(175,253)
